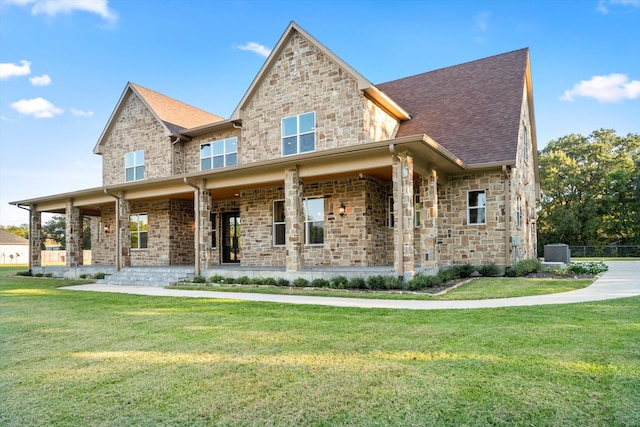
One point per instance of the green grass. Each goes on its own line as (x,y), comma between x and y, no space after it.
(12,269)
(85,358)
(482,288)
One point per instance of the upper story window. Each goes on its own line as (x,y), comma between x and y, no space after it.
(218,154)
(299,134)
(476,207)
(314,221)
(134,166)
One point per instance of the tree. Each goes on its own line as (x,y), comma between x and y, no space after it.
(56,230)
(590,189)
(22,230)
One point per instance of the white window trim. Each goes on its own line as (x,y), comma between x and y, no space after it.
(283,222)
(416,210)
(307,222)
(297,135)
(224,153)
(518,211)
(135,166)
(469,207)
(138,231)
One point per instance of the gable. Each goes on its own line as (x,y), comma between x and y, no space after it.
(471,109)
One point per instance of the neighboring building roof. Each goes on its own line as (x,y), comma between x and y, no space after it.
(472,109)
(175,114)
(7,238)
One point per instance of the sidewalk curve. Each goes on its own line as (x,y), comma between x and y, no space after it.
(622,280)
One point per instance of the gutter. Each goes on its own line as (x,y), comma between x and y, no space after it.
(196,213)
(399,223)
(117,227)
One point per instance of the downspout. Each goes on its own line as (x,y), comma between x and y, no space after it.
(196,209)
(398,215)
(30,236)
(117,226)
(507,215)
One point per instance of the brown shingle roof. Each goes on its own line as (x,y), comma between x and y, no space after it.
(175,114)
(472,109)
(7,238)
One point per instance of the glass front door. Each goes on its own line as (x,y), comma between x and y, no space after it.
(231,237)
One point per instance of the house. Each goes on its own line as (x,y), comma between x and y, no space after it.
(317,168)
(13,249)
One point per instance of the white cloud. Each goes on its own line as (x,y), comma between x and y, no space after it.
(81,113)
(54,7)
(12,70)
(42,80)
(39,108)
(611,88)
(256,48)
(482,21)
(603,5)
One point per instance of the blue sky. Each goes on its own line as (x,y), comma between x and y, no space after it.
(65,63)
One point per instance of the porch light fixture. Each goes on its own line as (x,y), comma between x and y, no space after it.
(342,209)
(107,228)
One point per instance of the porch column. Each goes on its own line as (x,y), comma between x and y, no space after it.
(205,229)
(429,219)
(294,221)
(404,208)
(35,238)
(73,246)
(123,213)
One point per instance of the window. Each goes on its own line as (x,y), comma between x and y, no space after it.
(416,212)
(134,166)
(139,226)
(390,220)
(314,221)
(298,134)
(218,154)
(279,236)
(518,211)
(214,229)
(476,207)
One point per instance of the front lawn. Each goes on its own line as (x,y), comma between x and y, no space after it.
(88,358)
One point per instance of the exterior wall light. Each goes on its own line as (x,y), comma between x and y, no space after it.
(342,209)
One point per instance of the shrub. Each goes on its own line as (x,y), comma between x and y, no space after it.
(39,275)
(524,267)
(244,280)
(587,267)
(339,282)
(282,282)
(216,279)
(465,270)
(450,273)
(199,279)
(489,270)
(319,282)
(420,282)
(269,281)
(48,275)
(300,282)
(230,281)
(83,275)
(376,283)
(393,282)
(99,275)
(23,273)
(357,283)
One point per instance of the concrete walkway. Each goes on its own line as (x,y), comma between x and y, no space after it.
(622,280)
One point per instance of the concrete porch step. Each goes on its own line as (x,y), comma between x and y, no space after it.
(148,276)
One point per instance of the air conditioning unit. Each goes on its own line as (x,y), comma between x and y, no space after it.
(557,252)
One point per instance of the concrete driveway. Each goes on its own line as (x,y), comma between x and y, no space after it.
(622,280)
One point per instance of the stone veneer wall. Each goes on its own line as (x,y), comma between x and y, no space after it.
(459,243)
(181,232)
(135,129)
(103,245)
(302,80)
(377,232)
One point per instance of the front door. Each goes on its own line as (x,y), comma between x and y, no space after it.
(231,237)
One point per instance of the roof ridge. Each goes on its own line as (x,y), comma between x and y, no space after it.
(456,65)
